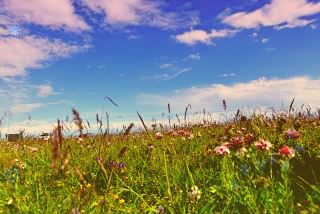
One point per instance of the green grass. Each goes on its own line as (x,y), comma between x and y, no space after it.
(162,172)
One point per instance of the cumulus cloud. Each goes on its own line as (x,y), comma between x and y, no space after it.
(60,14)
(136,12)
(31,52)
(279,13)
(261,92)
(200,36)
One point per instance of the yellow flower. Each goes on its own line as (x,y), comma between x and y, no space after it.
(121,201)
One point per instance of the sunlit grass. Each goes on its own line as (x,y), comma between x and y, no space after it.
(238,166)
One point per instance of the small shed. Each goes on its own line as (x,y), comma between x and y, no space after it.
(14,137)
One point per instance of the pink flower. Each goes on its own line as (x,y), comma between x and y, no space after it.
(263,145)
(158,135)
(222,150)
(292,134)
(287,152)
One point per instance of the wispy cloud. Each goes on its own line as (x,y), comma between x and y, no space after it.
(170,75)
(261,92)
(279,14)
(228,74)
(166,65)
(200,36)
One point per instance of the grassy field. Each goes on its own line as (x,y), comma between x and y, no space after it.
(256,164)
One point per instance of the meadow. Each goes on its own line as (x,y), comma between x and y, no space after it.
(257,163)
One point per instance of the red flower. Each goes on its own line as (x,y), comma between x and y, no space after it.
(287,152)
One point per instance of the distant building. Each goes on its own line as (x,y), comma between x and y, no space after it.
(45,136)
(14,137)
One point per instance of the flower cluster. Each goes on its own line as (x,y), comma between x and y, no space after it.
(292,134)
(287,152)
(113,165)
(222,150)
(19,164)
(263,145)
(194,194)
(185,134)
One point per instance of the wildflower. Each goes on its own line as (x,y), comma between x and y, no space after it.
(160,209)
(188,135)
(33,149)
(248,138)
(235,141)
(172,132)
(228,145)
(222,150)
(75,211)
(158,135)
(112,164)
(121,201)
(287,152)
(292,134)
(263,145)
(194,194)
(121,167)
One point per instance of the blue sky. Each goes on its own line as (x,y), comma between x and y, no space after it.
(145,54)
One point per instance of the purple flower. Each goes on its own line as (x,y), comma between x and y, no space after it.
(112,164)
(121,165)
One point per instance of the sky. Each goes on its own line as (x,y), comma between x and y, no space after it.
(59,55)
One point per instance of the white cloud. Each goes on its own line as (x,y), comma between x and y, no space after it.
(195,56)
(200,36)
(278,13)
(261,92)
(264,40)
(136,12)
(60,14)
(166,65)
(31,52)
(313,26)
(228,75)
(45,90)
